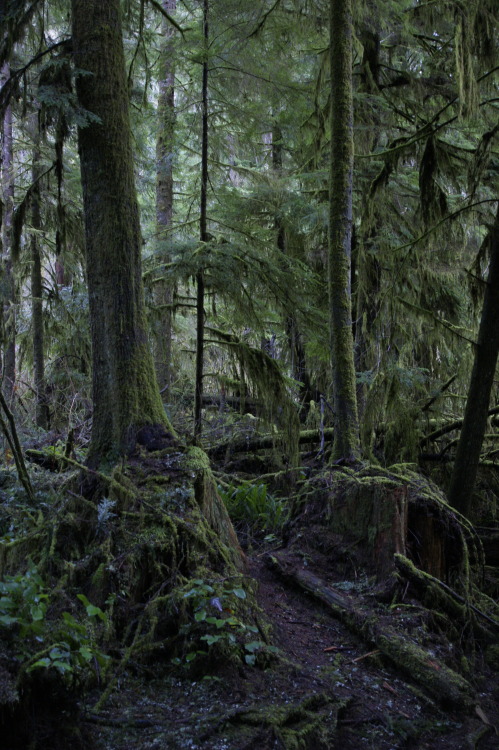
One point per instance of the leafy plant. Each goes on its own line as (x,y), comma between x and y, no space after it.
(67,645)
(214,622)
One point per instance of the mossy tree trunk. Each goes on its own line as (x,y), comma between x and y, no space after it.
(298,362)
(164,196)
(8,282)
(482,379)
(346,440)
(203,236)
(125,392)
(42,412)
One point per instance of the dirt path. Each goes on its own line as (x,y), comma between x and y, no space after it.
(323,671)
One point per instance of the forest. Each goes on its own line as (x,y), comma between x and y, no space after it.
(249,404)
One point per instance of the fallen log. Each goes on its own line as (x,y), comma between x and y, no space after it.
(264,442)
(441,682)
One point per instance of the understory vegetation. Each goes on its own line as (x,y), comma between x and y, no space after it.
(249,405)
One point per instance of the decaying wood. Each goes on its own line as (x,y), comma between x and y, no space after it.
(264,442)
(435,678)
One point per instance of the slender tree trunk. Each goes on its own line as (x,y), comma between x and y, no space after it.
(346,441)
(297,352)
(42,415)
(203,236)
(125,391)
(9,293)
(164,198)
(482,378)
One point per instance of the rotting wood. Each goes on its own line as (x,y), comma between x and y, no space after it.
(264,442)
(441,682)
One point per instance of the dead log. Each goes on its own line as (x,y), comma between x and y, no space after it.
(441,682)
(264,442)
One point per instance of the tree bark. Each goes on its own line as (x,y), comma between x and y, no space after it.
(482,377)
(163,293)
(9,293)
(42,415)
(346,441)
(203,236)
(125,391)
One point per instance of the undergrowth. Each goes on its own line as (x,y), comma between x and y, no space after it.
(256,513)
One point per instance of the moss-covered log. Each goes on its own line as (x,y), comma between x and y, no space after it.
(436,678)
(265,442)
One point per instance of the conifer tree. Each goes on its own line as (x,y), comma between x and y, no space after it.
(125,392)
(346,438)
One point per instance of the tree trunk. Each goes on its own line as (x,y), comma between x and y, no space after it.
(9,288)
(125,391)
(482,377)
(164,198)
(203,236)
(42,415)
(346,441)
(296,349)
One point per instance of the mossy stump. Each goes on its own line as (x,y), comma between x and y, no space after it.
(360,518)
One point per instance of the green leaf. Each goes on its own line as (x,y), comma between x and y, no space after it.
(85,652)
(37,613)
(8,620)
(45,662)
(211,639)
(93,611)
(83,599)
(250,659)
(200,616)
(240,593)
(253,646)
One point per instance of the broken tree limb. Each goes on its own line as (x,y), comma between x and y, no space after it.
(264,442)
(441,682)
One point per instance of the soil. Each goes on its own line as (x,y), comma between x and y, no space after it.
(322,670)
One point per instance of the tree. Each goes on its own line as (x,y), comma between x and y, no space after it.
(8,282)
(482,378)
(126,396)
(164,197)
(346,439)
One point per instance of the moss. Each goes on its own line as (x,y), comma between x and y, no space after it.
(307,725)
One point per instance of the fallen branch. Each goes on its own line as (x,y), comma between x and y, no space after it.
(441,682)
(450,428)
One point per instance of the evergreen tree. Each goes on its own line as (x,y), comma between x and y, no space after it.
(125,393)
(346,437)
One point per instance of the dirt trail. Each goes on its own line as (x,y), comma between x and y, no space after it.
(370,705)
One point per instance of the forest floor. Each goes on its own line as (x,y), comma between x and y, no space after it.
(327,689)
